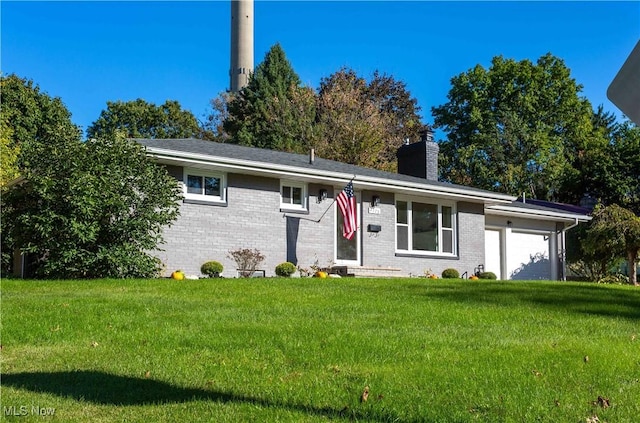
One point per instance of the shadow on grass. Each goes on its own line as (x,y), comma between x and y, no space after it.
(581,298)
(108,389)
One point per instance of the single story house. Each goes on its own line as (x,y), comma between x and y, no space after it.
(409,223)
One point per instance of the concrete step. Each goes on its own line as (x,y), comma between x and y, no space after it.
(368,271)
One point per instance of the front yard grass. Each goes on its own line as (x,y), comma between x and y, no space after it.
(290,350)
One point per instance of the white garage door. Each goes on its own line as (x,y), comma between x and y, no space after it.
(528,256)
(492,252)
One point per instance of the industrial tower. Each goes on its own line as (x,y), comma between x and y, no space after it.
(241,44)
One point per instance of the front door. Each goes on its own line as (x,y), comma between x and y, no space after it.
(347,252)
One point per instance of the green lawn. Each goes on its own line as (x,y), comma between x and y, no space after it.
(290,350)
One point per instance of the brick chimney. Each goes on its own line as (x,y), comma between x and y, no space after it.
(420,158)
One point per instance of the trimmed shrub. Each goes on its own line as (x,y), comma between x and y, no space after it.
(487,275)
(211,269)
(450,274)
(285,269)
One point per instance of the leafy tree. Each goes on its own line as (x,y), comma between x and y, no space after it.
(626,144)
(352,126)
(9,152)
(273,110)
(348,119)
(615,232)
(213,126)
(89,209)
(395,102)
(599,166)
(513,127)
(140,119)
(607,165)
(364,122)
(28,114)
(589,264)
(593,165)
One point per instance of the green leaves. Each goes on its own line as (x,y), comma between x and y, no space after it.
(348,119)
(91,209)
(140,119)
(509,126)
(273,111)
(615,232)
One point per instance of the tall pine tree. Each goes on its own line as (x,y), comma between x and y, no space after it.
(274,110)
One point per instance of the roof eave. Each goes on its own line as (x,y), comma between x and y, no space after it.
(169,156)
(501,210)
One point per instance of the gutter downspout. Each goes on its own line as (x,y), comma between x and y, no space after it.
(564,249)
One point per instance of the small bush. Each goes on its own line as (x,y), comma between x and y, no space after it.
(487,275)
(450,274)
(285,269)
(247,260)
(211,269)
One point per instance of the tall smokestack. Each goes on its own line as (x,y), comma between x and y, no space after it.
(241,44)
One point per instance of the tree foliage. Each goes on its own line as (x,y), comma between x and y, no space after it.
(513,127)
(273,110)
(89,209)
(606,167)
(213,125)
(352,127)
(28,114)
(347,119)
(364,123)
(9,151)
(626,144)
(606,170)
(394,101)
(615,232)
(140,119)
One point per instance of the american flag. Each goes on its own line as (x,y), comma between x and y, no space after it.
(347,203)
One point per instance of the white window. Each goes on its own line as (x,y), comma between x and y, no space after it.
(425,228)
(204,186)
(293,195)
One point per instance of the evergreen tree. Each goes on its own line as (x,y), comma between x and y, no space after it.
(273,111)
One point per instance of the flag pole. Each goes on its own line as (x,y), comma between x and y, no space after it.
(335,197)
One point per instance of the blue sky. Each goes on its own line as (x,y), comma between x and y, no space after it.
(88,53)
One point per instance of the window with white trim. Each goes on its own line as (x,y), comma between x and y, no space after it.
(204,186)
(425,228)
(293,195)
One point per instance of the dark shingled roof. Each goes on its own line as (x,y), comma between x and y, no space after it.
(550,206)
(260,155)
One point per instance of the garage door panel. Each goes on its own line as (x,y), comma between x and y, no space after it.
(528,256)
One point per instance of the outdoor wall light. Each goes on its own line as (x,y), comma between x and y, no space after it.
(375,201)
(509,223)
(322,195)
